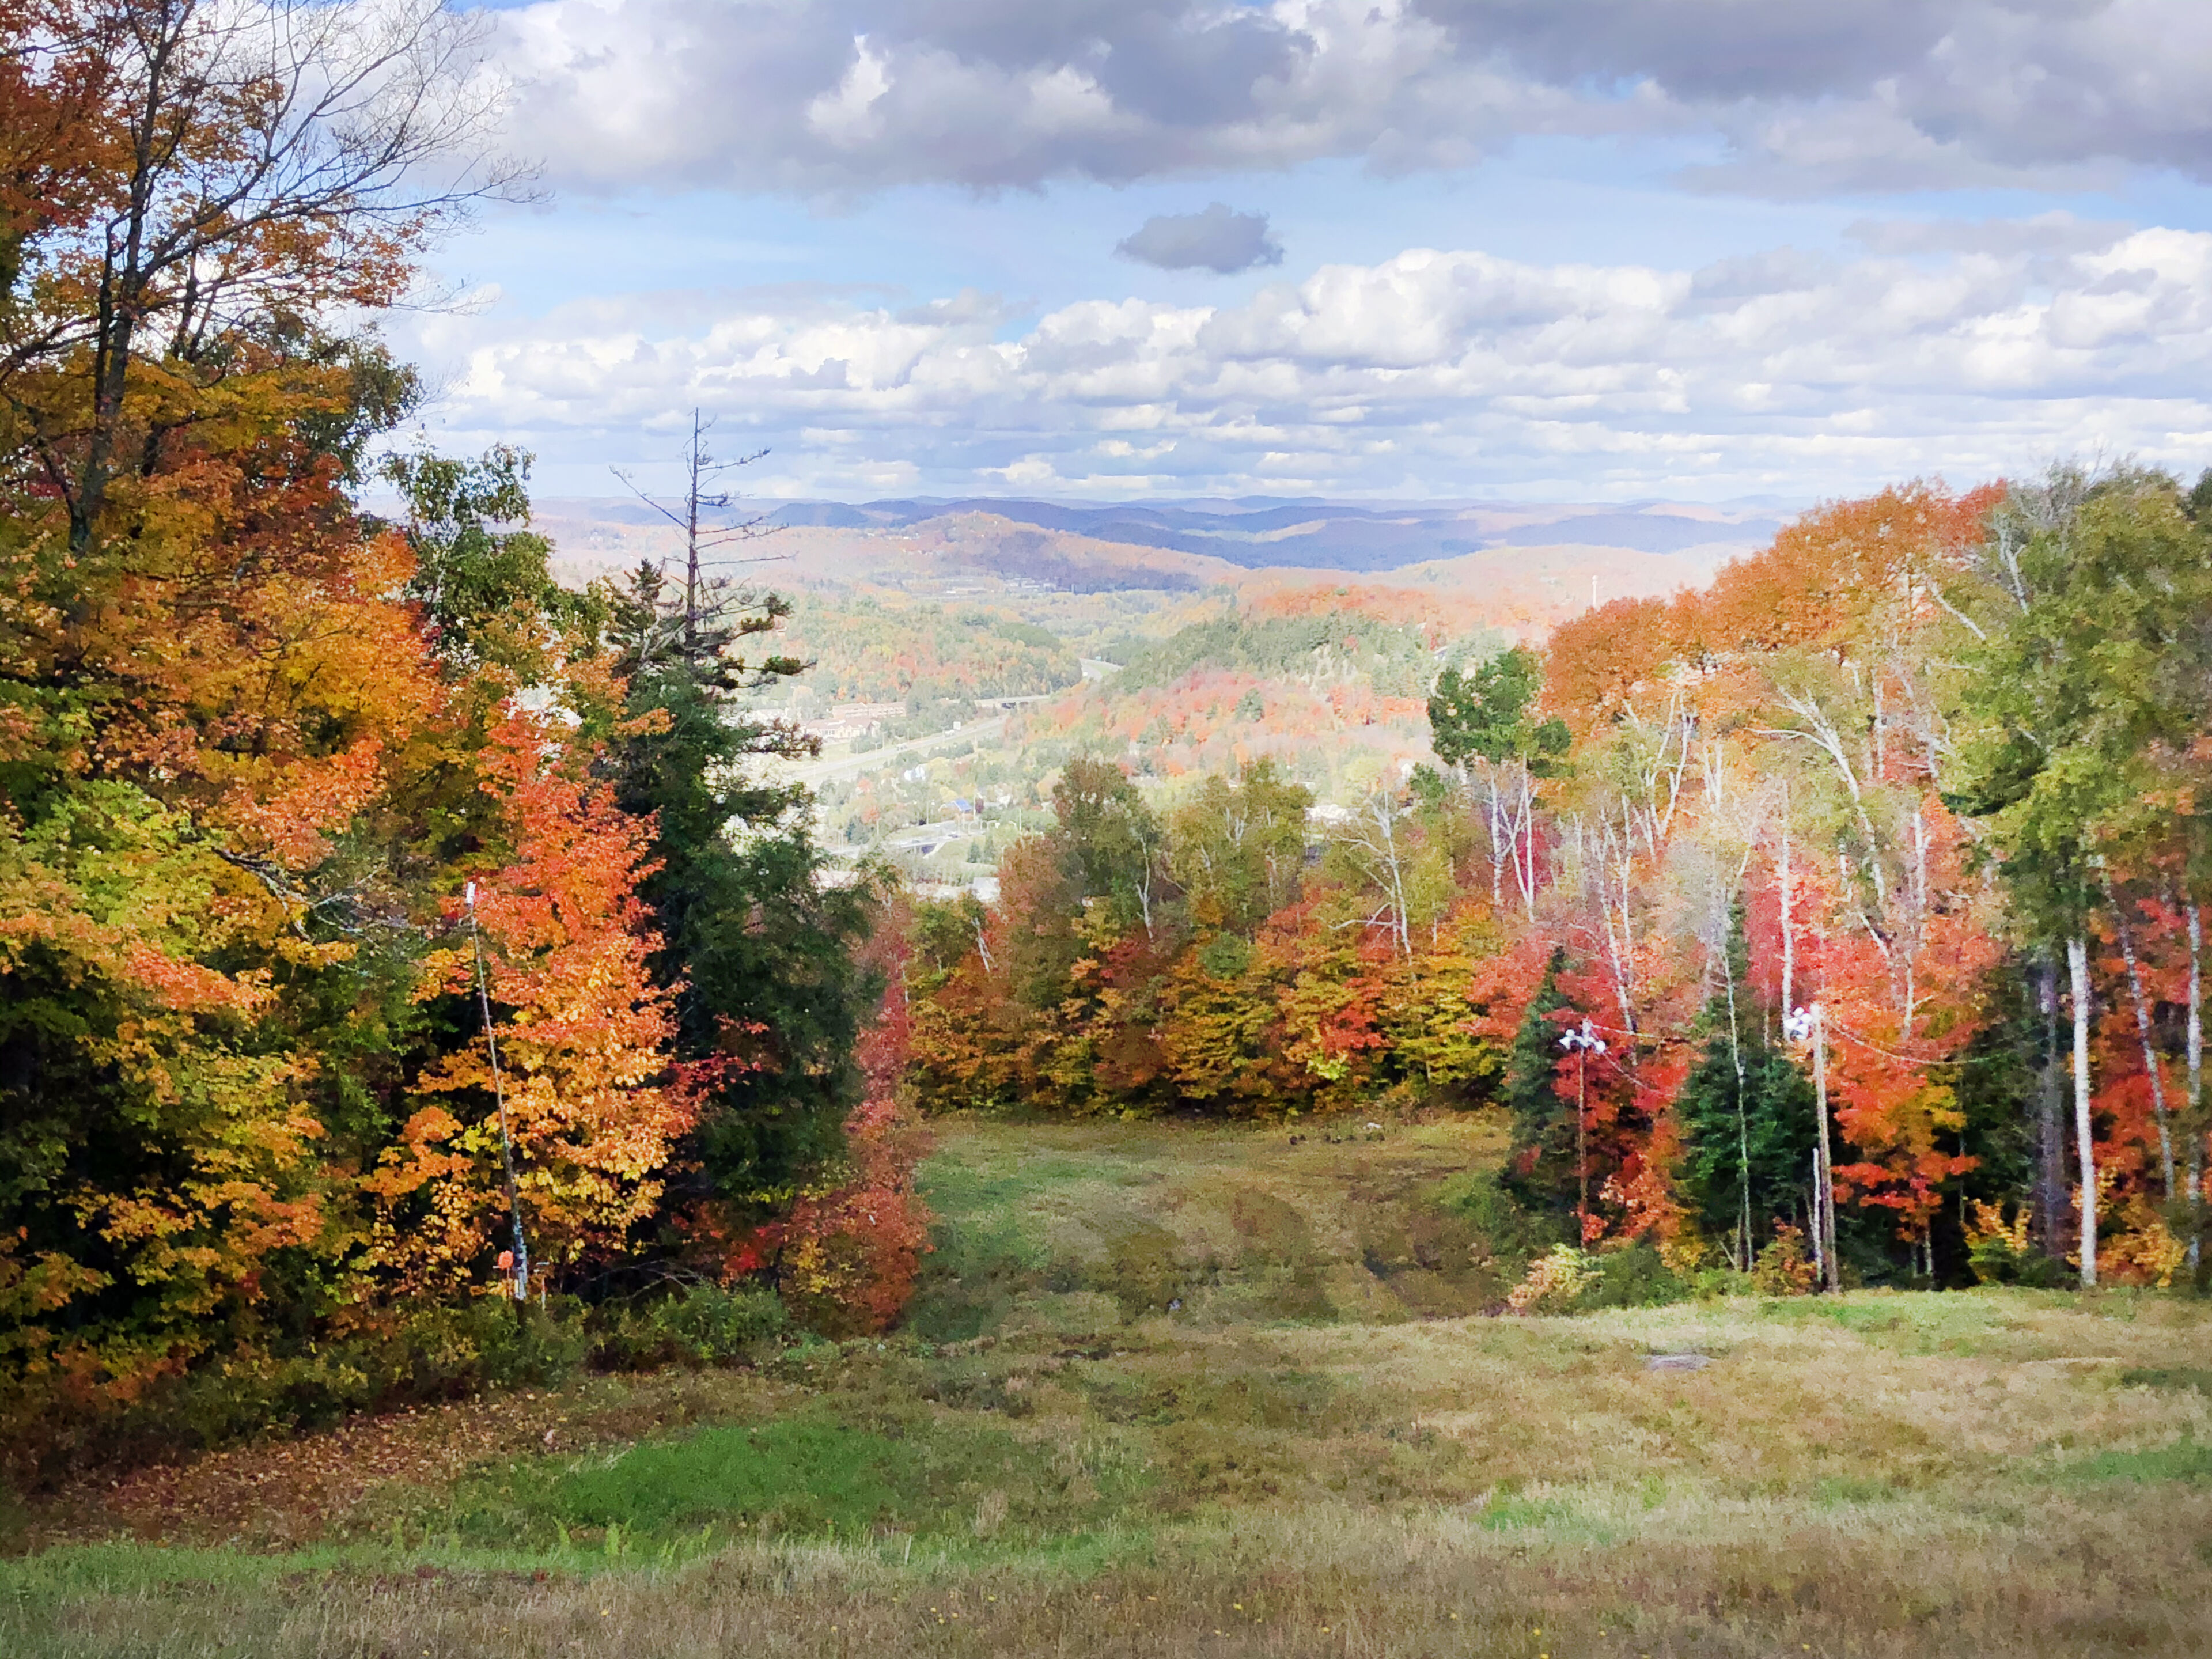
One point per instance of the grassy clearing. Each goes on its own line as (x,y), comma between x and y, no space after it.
(1175,1391)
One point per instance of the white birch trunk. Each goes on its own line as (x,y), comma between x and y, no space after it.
(1789,929)
(1827,1155)
(2077,970)
(2195,1108)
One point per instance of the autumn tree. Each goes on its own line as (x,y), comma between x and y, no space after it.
(2091,603)
(198,188)
(244,789)
(1235,849)
(1491,716)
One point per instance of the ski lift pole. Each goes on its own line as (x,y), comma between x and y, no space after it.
(1580,1044)
(1804,1024)
(520,1286)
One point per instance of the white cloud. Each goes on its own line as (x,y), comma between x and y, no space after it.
(836,96)
(1440,373)
(848,95)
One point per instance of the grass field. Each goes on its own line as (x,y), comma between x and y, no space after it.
(1174,1391)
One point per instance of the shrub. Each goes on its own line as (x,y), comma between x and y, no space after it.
(58,1422)
(1782,1267)
(1556,1282)
(704,1325)
(1513,1235)
(1636,1276)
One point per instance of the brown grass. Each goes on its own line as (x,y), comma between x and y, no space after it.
(1293,1462)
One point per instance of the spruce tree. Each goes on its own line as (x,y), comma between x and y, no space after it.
(1540,1171)
(759,950)
(1746,1115)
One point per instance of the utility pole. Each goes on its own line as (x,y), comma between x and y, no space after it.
(1827,1157)
(1812,1024)
(1582,1044)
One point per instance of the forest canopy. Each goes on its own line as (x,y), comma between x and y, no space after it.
(377,962)
(1845,911)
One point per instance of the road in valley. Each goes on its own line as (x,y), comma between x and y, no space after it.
(814,772)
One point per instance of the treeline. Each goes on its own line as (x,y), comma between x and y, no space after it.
(385,1004)
(1843,917)
(1320,650)
(865,651)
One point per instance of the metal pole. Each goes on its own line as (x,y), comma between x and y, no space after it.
(1582,1145)
(1828,1163)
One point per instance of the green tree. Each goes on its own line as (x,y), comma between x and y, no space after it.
(2087,683)
(481,573)
(1236,850)
(1489,716)
(1108,840)
(1540,1170)
(758,948)
(1745,1114)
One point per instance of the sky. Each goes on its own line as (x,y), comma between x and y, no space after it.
(1493,250)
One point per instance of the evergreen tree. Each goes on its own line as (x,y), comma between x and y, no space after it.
(1540,1170)
(1745,1114)
(758,950)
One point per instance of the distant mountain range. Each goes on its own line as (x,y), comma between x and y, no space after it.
(1259,532)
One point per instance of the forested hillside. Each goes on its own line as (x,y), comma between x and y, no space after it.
(865,651)
(419,974)
(1839,920)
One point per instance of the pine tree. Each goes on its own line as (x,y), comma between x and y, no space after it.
(1746,1115)
(1540,1170)
(760,952)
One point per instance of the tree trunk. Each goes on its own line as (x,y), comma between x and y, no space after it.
(1827,1156)
(1742,1124)
(1525,865)
(2077,970)
(2051,1121)
(2193,1109)
(2143,1036)
(1788,930)
(1496,844)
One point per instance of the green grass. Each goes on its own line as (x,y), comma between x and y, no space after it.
(1204,1392)
(2187,1462)
(805,1477)
(1078,1228)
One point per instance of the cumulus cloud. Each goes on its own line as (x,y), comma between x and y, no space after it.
(831,96)
(1217,240)
(1438,373)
